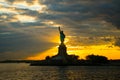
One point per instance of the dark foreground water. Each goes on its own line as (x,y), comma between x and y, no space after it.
(26,72)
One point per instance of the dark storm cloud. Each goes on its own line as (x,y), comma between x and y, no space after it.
(15,24)
(41,16)
(111,12)
(107,10)
(71,13)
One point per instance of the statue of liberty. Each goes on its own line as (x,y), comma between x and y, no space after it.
(62,36)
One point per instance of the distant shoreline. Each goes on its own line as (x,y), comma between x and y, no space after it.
(80,63)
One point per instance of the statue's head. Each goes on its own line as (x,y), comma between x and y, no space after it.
(61,31)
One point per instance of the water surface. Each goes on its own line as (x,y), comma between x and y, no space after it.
(14,71)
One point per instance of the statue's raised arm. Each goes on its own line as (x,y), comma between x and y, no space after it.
(59,29)
(62,35)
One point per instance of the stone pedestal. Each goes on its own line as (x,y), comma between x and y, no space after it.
(62,54)
(62,50)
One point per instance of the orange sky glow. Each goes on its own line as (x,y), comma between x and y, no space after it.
(111,52)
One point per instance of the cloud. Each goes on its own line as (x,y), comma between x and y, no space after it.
(117,41)
(24,18)
(76,10)
(7,11)
(111,12)
(24,4)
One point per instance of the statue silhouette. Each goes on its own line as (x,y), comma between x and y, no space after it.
(62,35)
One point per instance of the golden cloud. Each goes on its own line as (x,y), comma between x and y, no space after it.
(8,10)
(25,18)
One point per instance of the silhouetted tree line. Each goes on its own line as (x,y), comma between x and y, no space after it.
(96,59)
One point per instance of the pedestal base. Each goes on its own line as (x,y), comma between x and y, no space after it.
(62,50)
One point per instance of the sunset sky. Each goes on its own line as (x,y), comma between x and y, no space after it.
(29,28)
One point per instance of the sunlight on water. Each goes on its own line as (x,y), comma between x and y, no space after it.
(26,72)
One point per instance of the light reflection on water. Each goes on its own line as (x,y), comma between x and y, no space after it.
(26,72)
